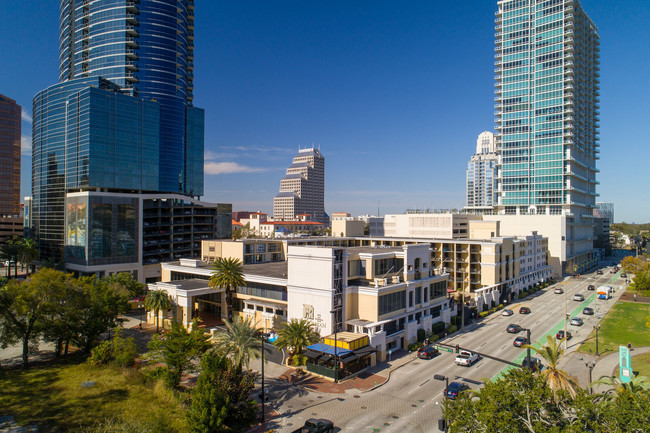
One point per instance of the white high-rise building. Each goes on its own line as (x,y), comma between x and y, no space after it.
(302,189)
(481,175)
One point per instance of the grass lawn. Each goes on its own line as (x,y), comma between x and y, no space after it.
(625,322)
(641,363)
(51,396)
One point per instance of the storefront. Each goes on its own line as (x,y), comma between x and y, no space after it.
(345,354)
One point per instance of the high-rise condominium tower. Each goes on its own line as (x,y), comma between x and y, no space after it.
(302,189)
(547,109)
(481,175)
(121,119)
(9,157)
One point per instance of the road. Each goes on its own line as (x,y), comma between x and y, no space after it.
(410,401)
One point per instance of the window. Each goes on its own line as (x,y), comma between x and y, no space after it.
(211,249)
(418,295)
(410,299)
(392,302)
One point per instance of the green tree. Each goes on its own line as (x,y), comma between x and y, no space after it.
(10,252)
(641,281)
(240,342)
(296,335)
(228,274)
(220,400)
(27,252)
(555,378)
(119,351)
(126,282)
(23,307)
(178,348)
(157,300)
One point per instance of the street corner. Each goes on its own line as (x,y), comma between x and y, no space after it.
(364,381)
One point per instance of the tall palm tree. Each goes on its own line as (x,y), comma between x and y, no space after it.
(28,252)
(228,275)
(555,378)
(241,342)
(157,300)
(296,335)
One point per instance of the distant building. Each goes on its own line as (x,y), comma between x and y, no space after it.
(10,127)
(481,176)
(423,224)
(603,219)
(302,189)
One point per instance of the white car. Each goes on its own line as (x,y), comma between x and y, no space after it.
(578,297)
(507,312)
(577,321)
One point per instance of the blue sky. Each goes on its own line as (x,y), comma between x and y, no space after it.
(393,92)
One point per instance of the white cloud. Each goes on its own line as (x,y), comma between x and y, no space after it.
(25,116)
(26,144)
(229,168)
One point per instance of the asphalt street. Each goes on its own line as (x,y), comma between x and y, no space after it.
(410,401)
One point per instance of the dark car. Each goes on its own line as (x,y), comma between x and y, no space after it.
(454,389)
(588,311)
(591,287)
(427,352)
(623,275)
(524,310)
(316,426)
(599,272)
(535,363)
(514,329)
(560,335)
(520,341)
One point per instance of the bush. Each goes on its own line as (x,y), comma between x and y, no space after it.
(101,354)
(433,338)
(438,327)
(414,346)
(451,329)
(500,306)
(119,351)
(483,314)
(298,360)
(421,335)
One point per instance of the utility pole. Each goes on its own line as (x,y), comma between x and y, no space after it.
(566,319)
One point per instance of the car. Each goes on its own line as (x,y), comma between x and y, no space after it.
(524,310)
(314,425)
(599,272)
(578,297)
(428,352)
(558,291)
(513,328)
(520,341)
(623,275)
(613,271)
(466,358)
(535,363)
(454,389)
(576,321)
(560,335)
(588,311)
(507,312)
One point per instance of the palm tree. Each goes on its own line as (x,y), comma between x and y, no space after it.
(295,335)
(10,252)
(618,388)
(228,275)
(555,378)
(157,300)
(28,252)
(241,342)
(125,282)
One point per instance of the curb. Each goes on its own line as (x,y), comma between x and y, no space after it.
(390,372)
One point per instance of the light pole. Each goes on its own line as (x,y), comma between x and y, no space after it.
(590,365)
(597,327)
(263,336)
(566,320)
(336,358)
(442,424)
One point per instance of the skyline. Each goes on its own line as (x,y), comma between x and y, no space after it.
(365,82)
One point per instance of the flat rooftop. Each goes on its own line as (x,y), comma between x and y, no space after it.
(272,269)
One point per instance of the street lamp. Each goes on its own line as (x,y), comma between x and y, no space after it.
(336,358)
(442,424)
(263,336)
(597,327)
(590,365)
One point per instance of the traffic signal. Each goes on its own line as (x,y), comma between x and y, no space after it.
(457,348)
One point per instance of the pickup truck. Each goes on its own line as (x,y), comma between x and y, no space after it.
(466,358)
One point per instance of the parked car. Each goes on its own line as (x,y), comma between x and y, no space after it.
(520,341)
(578,297)
(513,328)
(428,352)
(507,312)
(576,321)
(588,311)
(316,426)
(524,310)
(560,335)
(454,389)
(558,291)
(591,287)
(534,362)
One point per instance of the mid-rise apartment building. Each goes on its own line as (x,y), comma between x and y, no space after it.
(423,224)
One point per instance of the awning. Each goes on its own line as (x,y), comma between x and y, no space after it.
(359,353)
(326,348)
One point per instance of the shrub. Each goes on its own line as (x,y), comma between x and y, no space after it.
(451,329)
(438,327)
(433,338)
(500,306)
(119,351)
(421,335)
(414,346)
(101,354)
(298,360)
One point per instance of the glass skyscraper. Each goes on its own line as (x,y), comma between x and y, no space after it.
(121,119)
(481,176)
(9,157)
(547,108)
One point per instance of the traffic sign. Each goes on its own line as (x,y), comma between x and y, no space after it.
(446,349)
